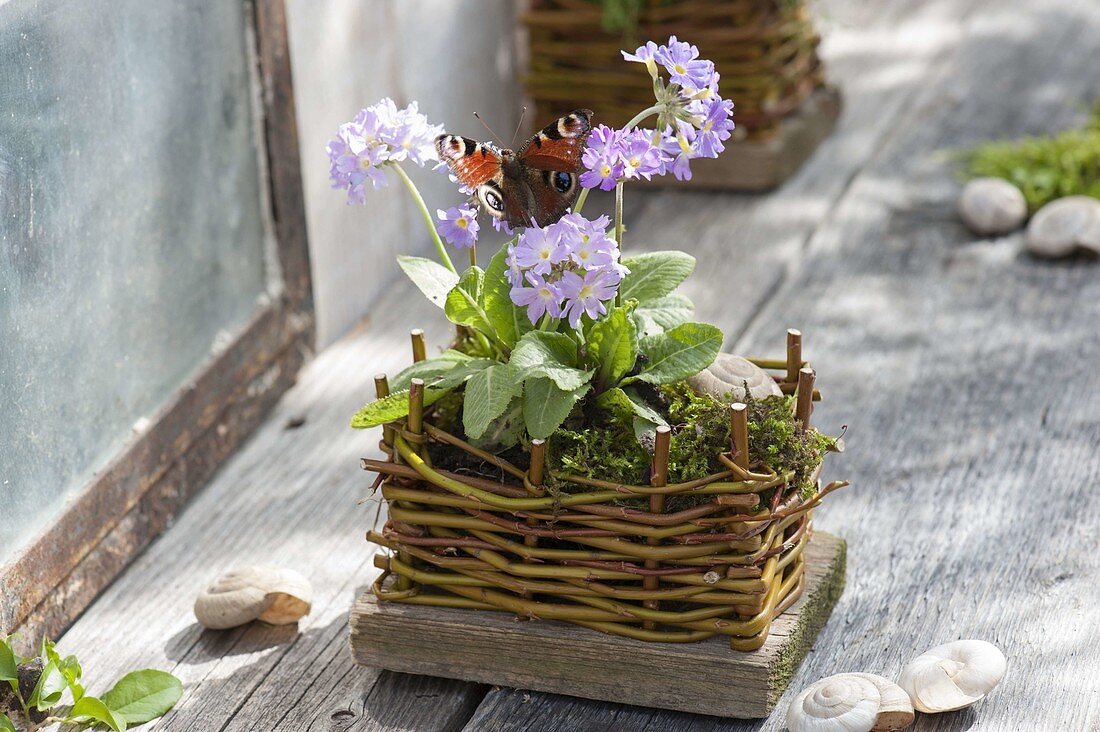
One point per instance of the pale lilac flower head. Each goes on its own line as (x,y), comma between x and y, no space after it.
(500,224)
(647,55)
(573,255)
(379,135)
(684,66)
(539,249)
(458,225)
(586,295)
(601,159)
(679,148)
(640,158)
(540,298)
(716,127)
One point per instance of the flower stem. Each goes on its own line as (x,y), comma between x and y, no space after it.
(473,255)
(642,115)
(427,216)
(580,200)
(619,214)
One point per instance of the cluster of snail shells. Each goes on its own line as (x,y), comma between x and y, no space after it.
(1063,227)
(948,677)
(267,593)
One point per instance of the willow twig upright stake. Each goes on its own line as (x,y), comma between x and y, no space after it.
(794,354)
(419,345)
(739,434)
(657,505)
(381,391)
(804,405)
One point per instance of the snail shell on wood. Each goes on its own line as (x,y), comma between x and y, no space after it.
(990,206)
(725,379)
(841,703)
(953,676)
(1063,226)
(896,710)
(271,594)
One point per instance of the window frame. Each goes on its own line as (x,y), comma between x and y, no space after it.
(117,513)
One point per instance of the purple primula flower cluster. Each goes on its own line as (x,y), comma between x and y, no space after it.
(458,226)
(378,135)
(565,270)
(692,121)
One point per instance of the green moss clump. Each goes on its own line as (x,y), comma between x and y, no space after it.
(610,450)
(1046,167)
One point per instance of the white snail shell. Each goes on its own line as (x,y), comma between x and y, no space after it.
(1063,226)
(992,206)
(953,676)
(267,593)
(841,703)
(896,710)
(725,379)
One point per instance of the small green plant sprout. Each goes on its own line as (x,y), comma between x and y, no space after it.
(1044,167)
(47,689)
(559,321)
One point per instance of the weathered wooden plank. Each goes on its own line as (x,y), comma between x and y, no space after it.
(288,497)
(495,648)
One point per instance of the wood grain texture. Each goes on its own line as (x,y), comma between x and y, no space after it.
(495,648)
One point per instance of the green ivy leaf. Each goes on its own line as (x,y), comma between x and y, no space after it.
(549,355)
(387,409)
(91,709)
(49,689)
(679,353)
(6,725)
(464,302)
(488,394)
(664,313)
(431,278)
(9,667)
(445,371)
(545,406)
(509,321)
(142,696)
(654,275)
(613,343)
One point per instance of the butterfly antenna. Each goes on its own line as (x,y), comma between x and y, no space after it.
(495,135)
(519,125)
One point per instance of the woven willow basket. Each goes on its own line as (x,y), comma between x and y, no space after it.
(720,567)
(766,51)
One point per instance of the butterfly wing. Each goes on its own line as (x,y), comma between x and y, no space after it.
(472,162)
(559,145)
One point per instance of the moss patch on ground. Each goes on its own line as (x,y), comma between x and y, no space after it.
(1045,167)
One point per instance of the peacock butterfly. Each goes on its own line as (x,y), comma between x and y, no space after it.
(539,183)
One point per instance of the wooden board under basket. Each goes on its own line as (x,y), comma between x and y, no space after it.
(495,648)
(760,165)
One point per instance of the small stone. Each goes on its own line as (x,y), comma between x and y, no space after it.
(1063,226)
(992,206)
(725,379)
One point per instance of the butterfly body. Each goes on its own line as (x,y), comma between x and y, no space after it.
(538,183)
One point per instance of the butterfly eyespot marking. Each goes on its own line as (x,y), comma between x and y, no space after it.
(491,198)
(563,181)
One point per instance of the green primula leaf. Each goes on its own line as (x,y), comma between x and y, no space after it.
(9,667)
(464,302)
(142,696)
(488,394)
(679,353)
(664,313)
(545,406)
(549,355)
(6,725)
(68,666)
(628,401)
(91,709)
(613,343)
(432,278)
(445,371)
(387,409)
(49,689)
(509,321)
(504,431)
(654,275)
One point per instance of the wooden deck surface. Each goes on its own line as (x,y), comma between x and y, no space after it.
(965,370)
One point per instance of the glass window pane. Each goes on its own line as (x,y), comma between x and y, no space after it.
(131,240)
